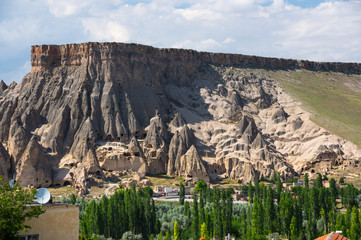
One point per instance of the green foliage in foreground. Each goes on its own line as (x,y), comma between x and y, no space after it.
(303,213)
(128,212)
(13,210)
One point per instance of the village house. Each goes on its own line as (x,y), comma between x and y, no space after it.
(60,221)
(165,191)
(326,184)
(332,236)
(298,184)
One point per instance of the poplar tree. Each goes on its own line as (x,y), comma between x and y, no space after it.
(306,181)
(278,188)
(318,183)
(217,219)
(354,233)
(201,207)
(293,228)
(203,230)
(250,192)
(167,236)
(340,223)
(270,212)
(181,193)
(176,230)
(333,189)
(195,223)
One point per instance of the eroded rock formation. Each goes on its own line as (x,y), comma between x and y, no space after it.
(85,109)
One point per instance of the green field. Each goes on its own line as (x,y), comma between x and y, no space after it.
(334,99)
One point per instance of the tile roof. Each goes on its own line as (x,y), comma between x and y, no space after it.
(332,236)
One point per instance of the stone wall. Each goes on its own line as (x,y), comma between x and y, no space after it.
(59,222)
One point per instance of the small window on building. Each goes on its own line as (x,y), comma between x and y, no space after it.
(30,237)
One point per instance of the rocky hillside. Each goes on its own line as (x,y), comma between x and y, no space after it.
(87,109)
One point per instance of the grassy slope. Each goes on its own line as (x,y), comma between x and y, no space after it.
(334,99)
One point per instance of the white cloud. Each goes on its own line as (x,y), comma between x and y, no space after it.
(229,40)
(105,30)
(203,45)
(329,32)
(64,8)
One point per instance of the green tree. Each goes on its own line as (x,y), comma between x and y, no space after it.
(274,177)
(355,225)
(293,228)
(72,198)
(278,188)
(167,236)
(318,183)
(285,212)
(306,181)
(176,230)
(250,192)
(341,181)
(348,217)
(270,212)
(340,223)
(181,193)
(203,230)
(333,188)
(217,215)
(257,220)
(200,186)
(13,209)
(195,224)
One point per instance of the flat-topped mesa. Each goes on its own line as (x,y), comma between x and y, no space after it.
(49,56)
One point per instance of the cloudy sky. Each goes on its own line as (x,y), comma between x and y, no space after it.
(320,30)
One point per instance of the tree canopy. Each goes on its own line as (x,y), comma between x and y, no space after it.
(14,210)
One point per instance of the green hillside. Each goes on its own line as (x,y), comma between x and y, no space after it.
(334,99)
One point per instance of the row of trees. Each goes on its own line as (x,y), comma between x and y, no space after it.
(127,210)
(303,213)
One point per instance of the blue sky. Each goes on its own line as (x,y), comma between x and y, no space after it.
(305,3)
(302,29)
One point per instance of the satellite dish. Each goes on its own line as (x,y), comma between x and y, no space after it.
(12,183)
(42,196)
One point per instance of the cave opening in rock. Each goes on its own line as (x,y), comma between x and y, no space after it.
(66,183)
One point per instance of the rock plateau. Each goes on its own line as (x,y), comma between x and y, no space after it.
(87,109)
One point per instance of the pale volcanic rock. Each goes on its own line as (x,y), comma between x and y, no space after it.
(33,167)
(155,145)
(134,147)
(191,165)
(80,180)
(177,121)
(116,159)
(90,107)
(63,176)
(180,143)
(4,163)
(19,138)
(3,87)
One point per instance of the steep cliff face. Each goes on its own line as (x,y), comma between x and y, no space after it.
(94,107)
(4,163)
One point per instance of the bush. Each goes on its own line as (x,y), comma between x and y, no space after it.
(130,236)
